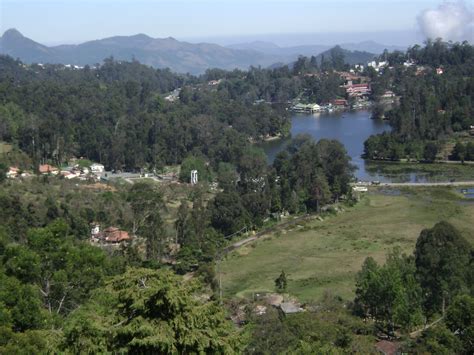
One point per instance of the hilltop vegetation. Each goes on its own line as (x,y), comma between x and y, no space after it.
(432,107)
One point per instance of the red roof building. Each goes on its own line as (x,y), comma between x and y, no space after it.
(114,235)
(48,169)
(358,89)
(339,102)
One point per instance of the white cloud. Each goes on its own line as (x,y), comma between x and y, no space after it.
(449,21)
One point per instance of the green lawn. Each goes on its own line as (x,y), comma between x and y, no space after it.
(325,255)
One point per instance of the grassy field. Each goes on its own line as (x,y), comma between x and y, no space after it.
(325,255)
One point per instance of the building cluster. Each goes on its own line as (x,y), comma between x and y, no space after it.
(92,172)
(74,172)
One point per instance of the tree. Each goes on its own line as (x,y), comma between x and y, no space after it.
(460,320)
(442,258)
(389,293)
(194,163)
(148,311)
(281,282)
(430,151)
(146,202)
(459,152)
(228,215)
(3,172)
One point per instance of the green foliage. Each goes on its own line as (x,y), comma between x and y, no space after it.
(329,331)
(194,163)
(442,258)
(146,201)
(431,106)
(281,282)
(317,173)
(389,293)
(460,320)
(3,172)
(438,340)
(150,311)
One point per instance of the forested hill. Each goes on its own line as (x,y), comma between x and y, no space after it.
(436,86)
(116,115)
(348,56)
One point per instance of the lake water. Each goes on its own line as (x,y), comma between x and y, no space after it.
(350,128)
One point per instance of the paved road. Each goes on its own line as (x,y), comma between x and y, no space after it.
(423,184)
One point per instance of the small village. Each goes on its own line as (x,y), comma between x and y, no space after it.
(357,89)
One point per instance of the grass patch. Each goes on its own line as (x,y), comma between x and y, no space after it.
(326,255)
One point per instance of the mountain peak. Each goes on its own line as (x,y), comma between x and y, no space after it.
(140,36)
(12,33)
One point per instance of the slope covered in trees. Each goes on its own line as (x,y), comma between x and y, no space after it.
(437,95)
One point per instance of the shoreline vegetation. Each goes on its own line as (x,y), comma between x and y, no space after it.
(434,172)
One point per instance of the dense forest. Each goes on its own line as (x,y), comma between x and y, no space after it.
(161,294)
(434,104)
(115,115)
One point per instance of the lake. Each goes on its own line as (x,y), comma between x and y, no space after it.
(352,129)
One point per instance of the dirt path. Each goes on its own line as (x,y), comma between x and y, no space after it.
(266,231)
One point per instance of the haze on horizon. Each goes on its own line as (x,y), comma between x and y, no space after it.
(285,22)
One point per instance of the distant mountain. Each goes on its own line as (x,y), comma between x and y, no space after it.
(157,52)
(16,45)
(168,52)
(372,47)
(309,50)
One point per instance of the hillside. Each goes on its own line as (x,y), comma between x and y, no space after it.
(157,52)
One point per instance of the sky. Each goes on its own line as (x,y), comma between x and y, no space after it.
(225,21)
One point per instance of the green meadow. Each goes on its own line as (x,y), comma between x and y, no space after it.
(324,256)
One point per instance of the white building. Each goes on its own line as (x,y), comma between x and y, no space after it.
(97,168)
(194,177)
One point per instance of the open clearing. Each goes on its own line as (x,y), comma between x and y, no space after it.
(318,256)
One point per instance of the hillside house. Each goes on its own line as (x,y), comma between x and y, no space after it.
(13,172)
(110,235)
(46,169)
(357,90)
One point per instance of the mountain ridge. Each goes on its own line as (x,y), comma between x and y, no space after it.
(179,56)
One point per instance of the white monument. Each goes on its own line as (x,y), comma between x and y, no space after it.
(194,177)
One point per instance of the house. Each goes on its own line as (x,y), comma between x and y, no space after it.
(388,94)
(214,82)
(354,90)
(339,102)
(114,235)
(290,308)
(12,172)
(97,168)
(46,169)
(377,65)
(111,235)
(69,174)
(439,71)
(306,108)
